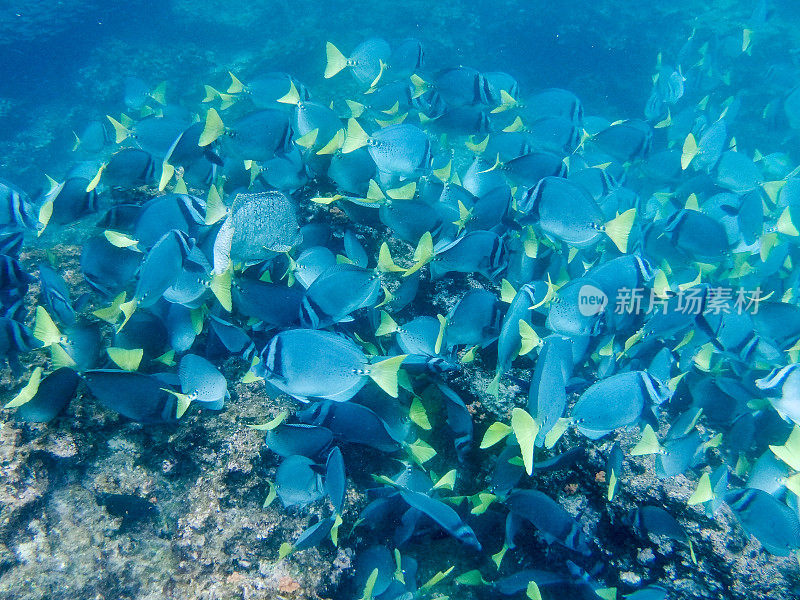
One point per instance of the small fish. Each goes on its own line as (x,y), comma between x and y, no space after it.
(704,154)
(367,62)
(138,93)
(298,438)
(15,208)
(566,211)
(626,141)
(107,268)
(402,151)
(338,292)
(136,396)
(547,515)
(476,251)
(297,481)
(52,397)
(697,235)
(55,295)
(737,172)
(352,423)
(307,363)
(335,478)
(782,389)
(202,382)
(766,518)
(447,518)
(474,320)
(614,402)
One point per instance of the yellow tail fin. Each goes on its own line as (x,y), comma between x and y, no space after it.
(125,359)
(387,326)
(384,373)
(517,125)
(356,137)
(308,140)
(45,330)
(423,253)
(159,94)
(27,393)
(689,151)
(292,96)
(336,61)
(213,129)
(215,208)
(619,228)
(386,262)
(120,130)
(785,224)
(221,288)
(236,86)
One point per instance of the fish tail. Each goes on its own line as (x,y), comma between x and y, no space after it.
(159,94)
(384,373)
(236,86)
(122,132)
(387,325)
(336,61)
(619,229)
(356,137)
(786,224)
(213,129)
(221,288)
(689,151)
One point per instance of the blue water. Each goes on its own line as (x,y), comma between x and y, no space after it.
(64,65)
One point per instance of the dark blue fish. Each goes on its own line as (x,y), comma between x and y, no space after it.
(136,396)
(351,422)
(52,398)
(447,518)
(547,515)
(55,296)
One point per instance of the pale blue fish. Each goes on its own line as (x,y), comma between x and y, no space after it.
(202,382)
(55,392)
(766,518)
(136,396)
(272,303)
(311,263)
(615,402)
(338,292)
(782,388)
(549,518)
(297,483)
(352,423)
(161,267)
(307,363)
